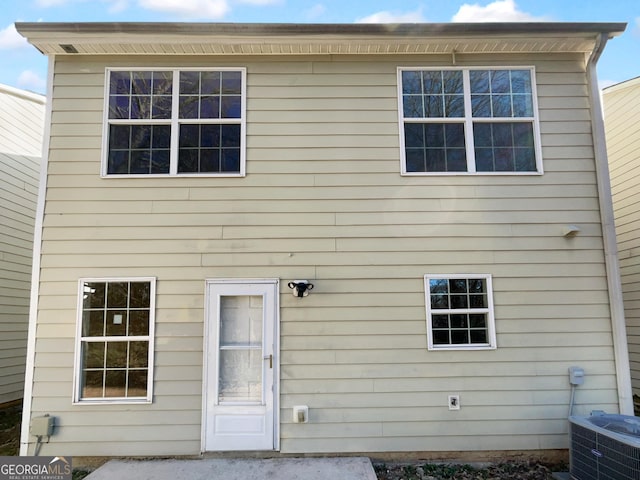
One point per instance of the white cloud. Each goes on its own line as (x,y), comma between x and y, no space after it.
(498,11)
(192,9)
(606,83)
(11,39)
(52,3)
(116,6)
(196,9)
(393,17)
(30,80)
(261,3)
(316,11)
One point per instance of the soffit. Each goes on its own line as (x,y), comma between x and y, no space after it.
(290,39)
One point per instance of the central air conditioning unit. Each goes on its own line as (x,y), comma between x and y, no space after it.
(604,447)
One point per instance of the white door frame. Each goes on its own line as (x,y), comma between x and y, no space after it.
(209,323)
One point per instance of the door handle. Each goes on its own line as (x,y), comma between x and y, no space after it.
(270,358)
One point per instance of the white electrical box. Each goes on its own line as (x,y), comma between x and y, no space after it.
(576,376)
(42,426)
(300,414)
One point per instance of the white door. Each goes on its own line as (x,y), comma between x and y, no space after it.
(240,365)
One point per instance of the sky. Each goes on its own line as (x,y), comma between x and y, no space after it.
(22,66)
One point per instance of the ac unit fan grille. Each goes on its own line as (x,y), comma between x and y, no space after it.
(595,456)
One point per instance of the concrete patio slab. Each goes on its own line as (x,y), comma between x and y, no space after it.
(343,468)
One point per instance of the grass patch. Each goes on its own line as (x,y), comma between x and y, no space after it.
(80,473)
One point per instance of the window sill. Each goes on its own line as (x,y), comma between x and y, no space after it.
(115,401)
(446,348)
(178,175)
(470,174)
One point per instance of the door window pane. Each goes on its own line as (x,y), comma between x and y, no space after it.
(240,369)
(240,377)
(241,320)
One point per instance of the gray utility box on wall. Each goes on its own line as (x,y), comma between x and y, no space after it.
(42,426)
(605,447)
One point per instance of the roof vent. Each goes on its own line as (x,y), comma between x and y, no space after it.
(68,48)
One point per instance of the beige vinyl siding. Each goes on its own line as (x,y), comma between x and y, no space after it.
(323,200)
(621,106)
(21,130)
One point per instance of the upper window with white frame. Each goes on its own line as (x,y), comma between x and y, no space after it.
(114,341)
(468,120)
(460,312)
(175,122)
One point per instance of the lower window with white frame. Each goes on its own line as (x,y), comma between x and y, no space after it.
(114,340)
(460,312)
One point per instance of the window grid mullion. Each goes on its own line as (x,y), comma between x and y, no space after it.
(503,119)
(126,371)
(116,338)
(434,120)
(139,121)
(458,310)
(175,124)
(212,121)
(468,123)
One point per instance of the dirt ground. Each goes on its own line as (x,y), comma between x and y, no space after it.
(10,443)
(501,471)
(10,430)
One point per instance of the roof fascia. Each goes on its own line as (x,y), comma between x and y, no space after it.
(31,29)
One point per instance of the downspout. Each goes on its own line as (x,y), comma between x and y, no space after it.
(35,271)
(616,305)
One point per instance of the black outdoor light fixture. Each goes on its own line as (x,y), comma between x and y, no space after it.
(300,288)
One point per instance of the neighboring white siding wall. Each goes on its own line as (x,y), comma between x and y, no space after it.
(21,121)
(21,129)
(323,200)
(622,109)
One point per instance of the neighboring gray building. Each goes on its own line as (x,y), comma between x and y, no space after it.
(21,132)
(622,112)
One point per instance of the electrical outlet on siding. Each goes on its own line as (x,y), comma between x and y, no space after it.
(454,402)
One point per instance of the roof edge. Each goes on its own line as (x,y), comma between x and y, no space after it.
(25,94)
(378,29)
(630,82)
